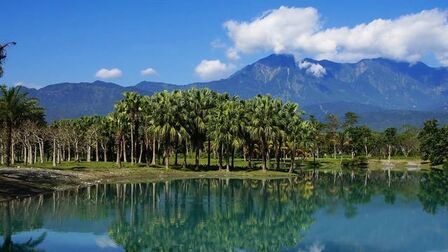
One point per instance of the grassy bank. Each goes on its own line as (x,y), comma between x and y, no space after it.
(43,177)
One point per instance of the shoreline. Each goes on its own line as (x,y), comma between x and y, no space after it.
(20,182)
(24,182)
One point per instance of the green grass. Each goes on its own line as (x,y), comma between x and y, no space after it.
(239,163)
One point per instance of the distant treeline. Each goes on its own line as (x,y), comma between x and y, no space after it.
(157,128)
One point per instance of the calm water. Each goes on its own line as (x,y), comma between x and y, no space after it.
(330,212)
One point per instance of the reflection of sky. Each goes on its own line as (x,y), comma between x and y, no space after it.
(403,226)
(69,241)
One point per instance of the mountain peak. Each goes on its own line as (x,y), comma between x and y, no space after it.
(278,60)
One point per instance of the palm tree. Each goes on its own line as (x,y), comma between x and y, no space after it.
(118,122)
(133,107)
(15,108)
(262,123)
(198,104)
(166,121)
(224,128)
(332,130)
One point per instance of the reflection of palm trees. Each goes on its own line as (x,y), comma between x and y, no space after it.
(434,189)
(8,244)
(30,245)
(216,214)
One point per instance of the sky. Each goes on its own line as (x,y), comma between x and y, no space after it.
(181,42)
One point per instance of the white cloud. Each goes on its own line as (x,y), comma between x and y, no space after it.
(313,68)
(233,54)
(213,69)
(104,73)
(299,31)
(148,72)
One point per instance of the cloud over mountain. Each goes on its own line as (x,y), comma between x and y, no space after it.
(312,68)
(300,31)
(212,69)
(148,72)
(104,73)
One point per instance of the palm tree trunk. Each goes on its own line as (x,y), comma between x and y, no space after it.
(140,155)
(208,153)
(123,148)
(220,156)
(13,156)
(154,146)
(334,151)
(69,150)
(118,150)
(277,157)
(293,154)
(41,151)
(54,152)
(132,144)
(167,159)
(88,152)
(185,155)
(105,153)
(389,147)
(250,155)
(263,154)
(233,158)
(176,143)
(8,143)
(197,154)
(227,159)
(76,151)
(35,154)
(97,152)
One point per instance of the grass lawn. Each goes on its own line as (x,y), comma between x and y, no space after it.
(324,164)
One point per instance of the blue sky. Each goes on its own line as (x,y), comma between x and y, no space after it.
(71,41)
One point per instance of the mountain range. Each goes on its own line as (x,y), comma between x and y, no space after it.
(383,92)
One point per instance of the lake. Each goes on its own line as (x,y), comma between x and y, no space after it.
(333,211)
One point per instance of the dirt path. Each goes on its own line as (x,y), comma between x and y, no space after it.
(24,182)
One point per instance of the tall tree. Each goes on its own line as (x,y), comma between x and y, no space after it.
(198,104)
(15,108)
(262,124)
(133,106)
(434,142)
(166,121)
(332,126)
(390,138)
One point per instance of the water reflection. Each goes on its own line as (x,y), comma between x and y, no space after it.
(214,214)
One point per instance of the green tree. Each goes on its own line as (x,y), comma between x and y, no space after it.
(408,140)
(197,106)
(133,106)
(15,108)
(390,138)
(332,126)
(262,124)
(433,142)
(166,121)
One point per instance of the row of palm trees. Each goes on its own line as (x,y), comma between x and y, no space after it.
(200,119)
(143,129)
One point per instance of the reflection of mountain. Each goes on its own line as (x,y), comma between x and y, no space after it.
(220,214)
(384,85)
